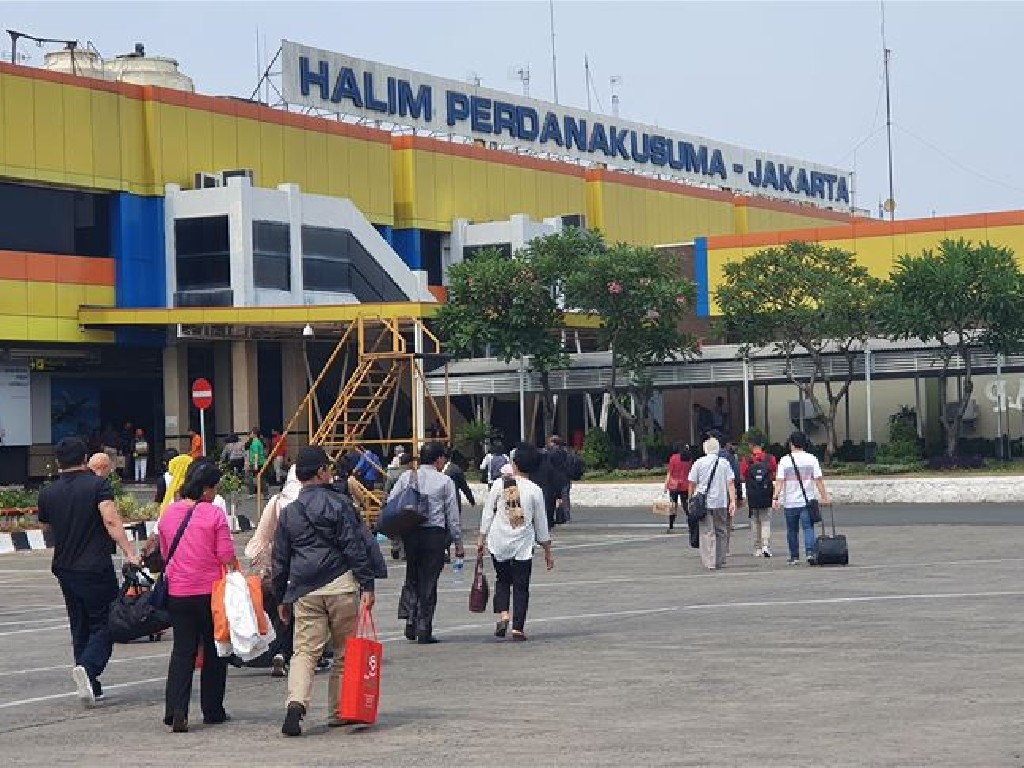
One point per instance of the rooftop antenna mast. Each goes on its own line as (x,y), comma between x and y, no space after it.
(521,72)
(586,72)
(554,60)
(890,204)
(615,80)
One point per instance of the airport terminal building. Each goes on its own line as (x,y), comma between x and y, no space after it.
(151,236)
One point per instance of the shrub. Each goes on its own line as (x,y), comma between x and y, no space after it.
(598,451)
(18,498)
(956,462)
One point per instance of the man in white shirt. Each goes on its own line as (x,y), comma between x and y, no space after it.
(713,475)
(799,468)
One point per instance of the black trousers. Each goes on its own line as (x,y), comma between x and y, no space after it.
(512,576)
(192,622)
(424,561)
(88,596)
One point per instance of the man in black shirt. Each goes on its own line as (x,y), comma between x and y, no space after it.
(80,510)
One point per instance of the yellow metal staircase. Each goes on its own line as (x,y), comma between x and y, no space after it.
(387,374)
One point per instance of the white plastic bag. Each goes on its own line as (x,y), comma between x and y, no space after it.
(246,641)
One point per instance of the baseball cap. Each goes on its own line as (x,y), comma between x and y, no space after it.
(310,458)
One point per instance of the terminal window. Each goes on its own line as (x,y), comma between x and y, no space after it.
(271,255)
(202,256)
(325,260)
(53,220)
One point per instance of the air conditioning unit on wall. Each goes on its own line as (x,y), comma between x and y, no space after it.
(238,173)
(205,181)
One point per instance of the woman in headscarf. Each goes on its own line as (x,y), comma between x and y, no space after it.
(176,469)
(260,550)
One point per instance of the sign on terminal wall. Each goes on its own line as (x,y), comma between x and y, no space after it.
(346,85)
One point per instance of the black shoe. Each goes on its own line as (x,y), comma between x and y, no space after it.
(396,553)
(410,632)
(501,628)
(179,724)
(427,640)
(292,719)
(225,718)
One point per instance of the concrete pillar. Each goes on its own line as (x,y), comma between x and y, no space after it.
(223,392)
(293,389)
(245,406)
(177,408)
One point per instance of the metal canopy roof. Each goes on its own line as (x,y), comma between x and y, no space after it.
(718,365)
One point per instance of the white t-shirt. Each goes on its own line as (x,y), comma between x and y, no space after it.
(504,541)
(810,470)
(700,473)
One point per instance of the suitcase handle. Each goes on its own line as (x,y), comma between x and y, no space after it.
(832,514)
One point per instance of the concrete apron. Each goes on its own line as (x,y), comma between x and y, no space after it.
(868,490)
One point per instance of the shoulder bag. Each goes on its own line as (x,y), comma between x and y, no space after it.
(698,506)
(158,596)
(480,591)
(403,513)
(813,507)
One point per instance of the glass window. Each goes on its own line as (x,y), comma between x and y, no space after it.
(53,220)
(325,275)
(271,255)
(202,253)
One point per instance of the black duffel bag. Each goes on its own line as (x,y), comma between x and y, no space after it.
(405,512)
(132,615)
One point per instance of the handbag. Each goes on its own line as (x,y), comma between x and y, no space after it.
(403,513)
(158,595)
(480,592)
(132,615)
(662,506)
(359,698)
(698,505)
(813,507)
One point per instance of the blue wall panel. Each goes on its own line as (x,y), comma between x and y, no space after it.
(408,243)
(137,238)
(700,268)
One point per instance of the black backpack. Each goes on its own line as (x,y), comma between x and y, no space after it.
(760,484)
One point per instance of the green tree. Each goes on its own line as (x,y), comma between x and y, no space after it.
(803,299)
(963,298)
(513,306)
(641,301)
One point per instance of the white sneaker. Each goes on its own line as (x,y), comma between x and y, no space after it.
(758,552)
(767,552)
(83,686)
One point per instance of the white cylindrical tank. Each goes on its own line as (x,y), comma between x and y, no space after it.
(140,69)
(77,61)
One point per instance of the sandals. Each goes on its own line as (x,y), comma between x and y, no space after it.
(501,628)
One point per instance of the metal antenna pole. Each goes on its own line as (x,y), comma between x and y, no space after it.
(554,60)
(891,202)
(586,70)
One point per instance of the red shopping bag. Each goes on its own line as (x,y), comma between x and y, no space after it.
(360,682)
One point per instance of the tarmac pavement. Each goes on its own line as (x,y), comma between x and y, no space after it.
(637,656)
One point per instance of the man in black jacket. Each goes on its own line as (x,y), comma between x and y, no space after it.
(321,564)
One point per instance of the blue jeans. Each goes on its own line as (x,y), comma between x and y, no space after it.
(797,517)
(88,596)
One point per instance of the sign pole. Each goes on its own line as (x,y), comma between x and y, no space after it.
(202,428)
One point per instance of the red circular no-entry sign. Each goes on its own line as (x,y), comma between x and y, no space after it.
(202,394)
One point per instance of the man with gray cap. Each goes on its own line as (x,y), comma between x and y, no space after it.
(321,564)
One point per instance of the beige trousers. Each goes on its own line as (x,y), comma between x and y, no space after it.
(760,528)
(315,617)
(714,538)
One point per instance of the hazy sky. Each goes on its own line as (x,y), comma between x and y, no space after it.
(802,79)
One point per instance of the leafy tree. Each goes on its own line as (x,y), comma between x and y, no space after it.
(641,303)
(803,298)
(964,298)
(513,306)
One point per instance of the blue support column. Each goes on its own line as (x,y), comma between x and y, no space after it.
(408,243)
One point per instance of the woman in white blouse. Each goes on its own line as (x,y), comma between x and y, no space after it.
(514,518)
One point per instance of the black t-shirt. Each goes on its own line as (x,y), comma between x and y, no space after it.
(70,506)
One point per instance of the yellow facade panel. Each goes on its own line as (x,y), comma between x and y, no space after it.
(106,133)
(381,184)
(135,167)
(14,327)
(19,123)
(153,160)
(174,145)
(403,175)
(42,328)
(42,298)
(317,173)
(14,297)
(199,138)
(224,148)
(247,147)
(357,175)
(272,155)
(70,297)
(49,121)
(293,141)
(337,165)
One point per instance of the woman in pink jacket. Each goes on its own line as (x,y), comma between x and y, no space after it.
(205,547)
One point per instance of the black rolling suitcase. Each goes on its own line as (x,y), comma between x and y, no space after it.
(832,550)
